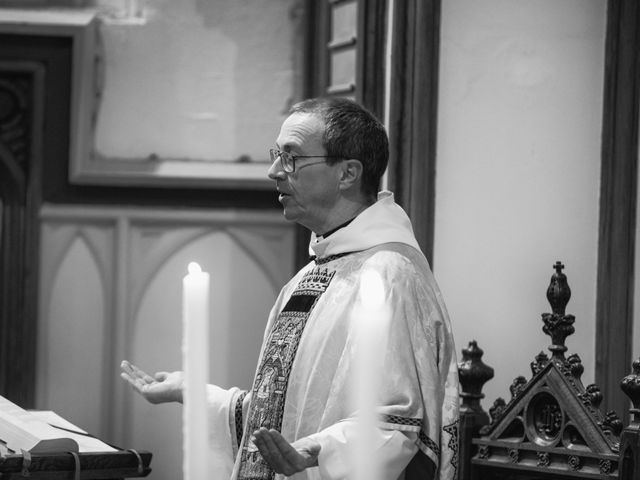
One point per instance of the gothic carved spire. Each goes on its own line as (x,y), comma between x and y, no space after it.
(558,325)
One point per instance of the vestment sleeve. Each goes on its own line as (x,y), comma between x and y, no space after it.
(225,409)
(392,449)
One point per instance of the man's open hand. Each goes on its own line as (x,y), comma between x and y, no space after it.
(284,457)
(161,388)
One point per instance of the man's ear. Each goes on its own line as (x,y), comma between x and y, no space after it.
(351,173)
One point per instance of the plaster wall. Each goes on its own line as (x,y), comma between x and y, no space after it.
(520,114)
(196,79)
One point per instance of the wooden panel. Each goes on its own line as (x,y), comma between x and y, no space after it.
(413,115)
(618,192)
(22,86)
(370,71)
(344,21)
(343,70)
(343,48)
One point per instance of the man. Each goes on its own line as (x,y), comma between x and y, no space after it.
(298,419)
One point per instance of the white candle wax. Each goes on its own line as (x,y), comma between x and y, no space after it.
(195,364)
(371,316)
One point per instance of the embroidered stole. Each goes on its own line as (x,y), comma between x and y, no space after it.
(272,378)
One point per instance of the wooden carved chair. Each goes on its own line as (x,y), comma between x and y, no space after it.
(552,428)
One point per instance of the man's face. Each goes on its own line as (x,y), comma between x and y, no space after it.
(309,194)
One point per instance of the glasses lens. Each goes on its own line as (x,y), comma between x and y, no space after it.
(286,159)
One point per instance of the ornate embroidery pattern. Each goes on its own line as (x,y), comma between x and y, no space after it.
(453,442)
(428,443)
(238,417)
(270,385)
(322,261)
(396,420)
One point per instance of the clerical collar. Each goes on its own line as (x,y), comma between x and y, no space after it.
(334,230)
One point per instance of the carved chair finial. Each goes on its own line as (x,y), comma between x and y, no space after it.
(558,325)
(473,374)
(558,292)
(630,385)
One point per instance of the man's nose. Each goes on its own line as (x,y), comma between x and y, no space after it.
(276,171)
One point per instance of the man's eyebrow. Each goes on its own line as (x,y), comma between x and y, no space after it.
(287,147)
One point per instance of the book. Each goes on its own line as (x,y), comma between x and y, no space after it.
(43,432)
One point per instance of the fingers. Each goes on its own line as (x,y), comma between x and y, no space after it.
(130,369)
(289,453)
(137,378)
(278,453)
(130,380)
(127,367)
(135,373)
(142,375)
(162,387)
(270,452)
(128,373)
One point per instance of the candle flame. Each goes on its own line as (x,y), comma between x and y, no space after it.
(372,291)
(194,268)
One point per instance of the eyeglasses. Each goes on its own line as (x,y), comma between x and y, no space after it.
(288,160)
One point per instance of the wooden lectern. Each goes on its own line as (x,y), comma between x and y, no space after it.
(76,466)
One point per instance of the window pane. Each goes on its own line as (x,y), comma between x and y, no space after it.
(343,67)
(344,21)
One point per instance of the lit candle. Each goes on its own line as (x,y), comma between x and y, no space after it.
(371,316)
(195,364)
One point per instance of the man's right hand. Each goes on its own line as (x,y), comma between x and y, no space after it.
(161,388)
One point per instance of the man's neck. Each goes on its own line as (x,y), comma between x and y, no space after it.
(334,230)
(343,222)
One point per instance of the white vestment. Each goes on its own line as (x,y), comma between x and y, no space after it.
(304,375)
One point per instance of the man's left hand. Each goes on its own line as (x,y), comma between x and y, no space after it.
(284,457)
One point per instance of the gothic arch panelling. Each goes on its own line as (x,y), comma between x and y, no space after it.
(263,244)
(74,327)
(151,255)
(267,248)
(258,247)
(241,296)
(60,237)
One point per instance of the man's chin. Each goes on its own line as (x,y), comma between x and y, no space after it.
(292,214)
(289,215)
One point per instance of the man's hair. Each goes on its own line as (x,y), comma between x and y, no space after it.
(351,132)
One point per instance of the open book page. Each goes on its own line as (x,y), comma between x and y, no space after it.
(21,429)
(18,431)
(85,441)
